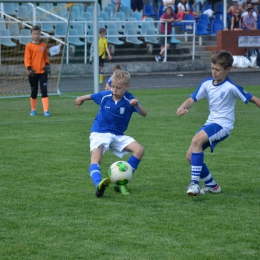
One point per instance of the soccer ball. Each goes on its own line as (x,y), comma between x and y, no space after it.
(120,173)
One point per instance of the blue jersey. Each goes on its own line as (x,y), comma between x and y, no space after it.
(222,101)
(113,116)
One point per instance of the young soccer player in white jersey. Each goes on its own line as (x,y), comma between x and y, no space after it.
(221,94)
(107,132)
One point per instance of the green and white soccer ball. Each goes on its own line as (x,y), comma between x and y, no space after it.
(120,172)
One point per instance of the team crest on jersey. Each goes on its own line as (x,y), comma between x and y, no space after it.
(122,110)
(222,95)
(42,48)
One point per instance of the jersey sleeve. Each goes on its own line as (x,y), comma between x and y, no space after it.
(201,91)
(27,57)
(242,94)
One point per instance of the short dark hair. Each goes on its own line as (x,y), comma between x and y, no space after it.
(36,28)
(102,30)
(223,58)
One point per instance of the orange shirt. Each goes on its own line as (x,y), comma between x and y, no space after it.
(35,56)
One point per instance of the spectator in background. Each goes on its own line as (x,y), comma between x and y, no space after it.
(249,21)
(183,9)
(199,5)
(236,21)
(167,18)
(246,12)
(167,3)
(232,9)
(137,5)
(117,4)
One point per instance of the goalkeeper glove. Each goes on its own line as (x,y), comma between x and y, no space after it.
(31,72)
(47,68)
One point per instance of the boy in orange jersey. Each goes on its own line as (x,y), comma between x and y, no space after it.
(37,64)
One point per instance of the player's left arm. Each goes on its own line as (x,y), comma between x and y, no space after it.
(80,100)
(134,102)
(255,100)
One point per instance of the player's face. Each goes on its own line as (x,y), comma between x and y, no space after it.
(119,89)
(36,36)
(219,74)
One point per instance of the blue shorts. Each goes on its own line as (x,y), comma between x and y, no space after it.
(216,134)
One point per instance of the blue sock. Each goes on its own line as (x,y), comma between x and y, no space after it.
(196,166)
(95,174)
(207,178)
(133,161)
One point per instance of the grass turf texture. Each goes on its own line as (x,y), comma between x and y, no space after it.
(48,208)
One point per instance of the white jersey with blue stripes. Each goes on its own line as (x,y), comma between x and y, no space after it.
(113,116)
(222,101)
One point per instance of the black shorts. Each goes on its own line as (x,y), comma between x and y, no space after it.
(137,4)
(101,62)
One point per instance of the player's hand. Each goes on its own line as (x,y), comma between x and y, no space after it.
(79,102)
(31,72)
(110,57)
(134,102)
(182,111)
(47,69)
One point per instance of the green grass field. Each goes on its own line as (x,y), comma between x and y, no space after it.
(48,208)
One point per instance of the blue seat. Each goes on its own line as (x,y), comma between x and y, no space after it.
(122,18)
(80,28)
(109,10)
(101,23)
(113,40)
(220,8)
(9,8)
(118,23)
(204,18)
(133,19)
(216,27)
(129,26)
(145,26)
(47,25)
(23,13)
(148,10)
(201,28)
(112,26)
(2,23)
(132,38)
(188,26)
(126,10)
(258,24)
(138,17)
(60,29)
(88,17)
(6,41)
(151,36)
(25,36)
(104,15)
(14,30)
(206,7)
(160,11)
(173,39)
(76,10)
(73,37)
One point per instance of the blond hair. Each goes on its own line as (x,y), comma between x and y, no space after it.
(121,76)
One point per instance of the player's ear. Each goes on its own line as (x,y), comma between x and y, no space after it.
(127,86)
(228,70)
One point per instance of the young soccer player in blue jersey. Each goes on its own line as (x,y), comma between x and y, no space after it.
(221,94)
(107,132)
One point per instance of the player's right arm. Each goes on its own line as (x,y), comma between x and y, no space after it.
(183,109)
(80,100)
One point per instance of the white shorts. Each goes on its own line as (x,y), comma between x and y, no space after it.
(112,142)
